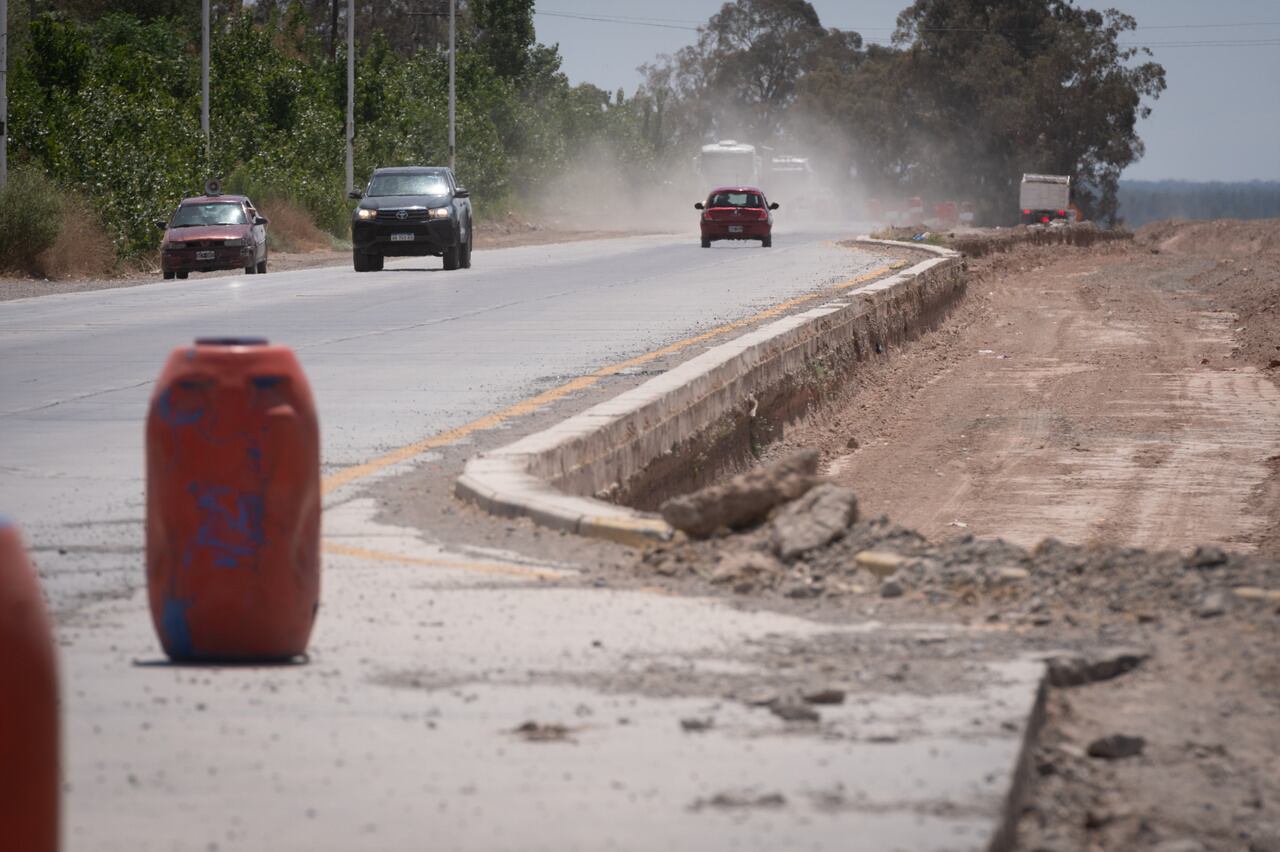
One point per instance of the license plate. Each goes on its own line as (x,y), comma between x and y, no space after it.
(205,255)
(402,238)
(735,229)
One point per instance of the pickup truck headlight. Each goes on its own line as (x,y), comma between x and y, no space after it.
(438,213)
(366,213)
(236,243)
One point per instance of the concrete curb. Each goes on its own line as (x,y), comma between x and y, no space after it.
(545,476)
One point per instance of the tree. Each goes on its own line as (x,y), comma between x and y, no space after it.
(1003,87)
(741,76)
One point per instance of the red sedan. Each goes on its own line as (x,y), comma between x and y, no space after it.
(737,213)
(213,232)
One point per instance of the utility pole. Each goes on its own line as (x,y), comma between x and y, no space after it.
(453,99)
(204,77)
(4,92)
(351,95)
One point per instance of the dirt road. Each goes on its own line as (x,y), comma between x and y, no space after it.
(1103,395)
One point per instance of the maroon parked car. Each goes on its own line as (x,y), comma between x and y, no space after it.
(212,232)
(737,213)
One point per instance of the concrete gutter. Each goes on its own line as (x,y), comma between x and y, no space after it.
(551,477)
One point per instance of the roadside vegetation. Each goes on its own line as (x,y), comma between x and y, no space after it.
(105,104)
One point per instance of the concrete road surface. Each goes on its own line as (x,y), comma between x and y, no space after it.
(404,729)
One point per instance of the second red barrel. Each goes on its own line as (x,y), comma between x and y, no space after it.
(233,503)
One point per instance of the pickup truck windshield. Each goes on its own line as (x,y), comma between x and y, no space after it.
(217,213)
(428,184)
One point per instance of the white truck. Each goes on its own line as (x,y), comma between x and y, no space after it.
(1045,198)
(728,163)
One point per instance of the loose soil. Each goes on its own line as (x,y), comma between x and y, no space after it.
(1086,455)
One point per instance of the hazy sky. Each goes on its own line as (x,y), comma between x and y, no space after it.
(1218,120)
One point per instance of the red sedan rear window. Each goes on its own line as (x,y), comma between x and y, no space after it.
(735,199)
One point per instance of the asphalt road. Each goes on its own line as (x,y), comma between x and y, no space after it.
(392,357)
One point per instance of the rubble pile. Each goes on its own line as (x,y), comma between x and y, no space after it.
(781,530)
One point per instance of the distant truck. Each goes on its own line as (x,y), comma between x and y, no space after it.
(1045,198)
(728,163)
(790,179)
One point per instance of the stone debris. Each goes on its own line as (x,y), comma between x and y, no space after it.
(742,571)
(814,520)
(741,799)
(882,563)
(891,588)
(1253,593)
(790,711)
(1213,605)
(537,732)
(695,725)
(1116,747)
(1079,670)
(1207,556)
(744,500)
(824,696)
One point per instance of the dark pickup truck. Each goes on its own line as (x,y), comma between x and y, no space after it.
(411,211)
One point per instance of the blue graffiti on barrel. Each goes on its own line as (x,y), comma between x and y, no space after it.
(231,524)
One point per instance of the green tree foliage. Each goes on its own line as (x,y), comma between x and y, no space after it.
(107,103)
(971,94)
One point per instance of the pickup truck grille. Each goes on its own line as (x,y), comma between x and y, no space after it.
(416,215)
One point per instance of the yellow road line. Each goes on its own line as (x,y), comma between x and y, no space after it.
(356,472)
(510,570)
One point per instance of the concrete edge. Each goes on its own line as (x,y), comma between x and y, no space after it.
(503,481)
(1005,838)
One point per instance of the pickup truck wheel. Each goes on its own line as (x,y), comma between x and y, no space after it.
(451,259)
(375,262)
(250,269)
(358,261)
(262,266)
(182,273)
(466,250)
(706,242)
(766,242)
(168,275)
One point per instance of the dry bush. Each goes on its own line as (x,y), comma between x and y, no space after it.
(81,248)
(291,228)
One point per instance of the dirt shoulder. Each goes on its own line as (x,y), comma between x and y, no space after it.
(506,233)
(1084,457)
(1125,393)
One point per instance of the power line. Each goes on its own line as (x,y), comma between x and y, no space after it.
(637,22)
(685,24)
(673,24)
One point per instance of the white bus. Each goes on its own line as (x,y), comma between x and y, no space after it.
(729,163)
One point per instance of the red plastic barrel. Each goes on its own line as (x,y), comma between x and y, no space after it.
(29,786)
(233,503)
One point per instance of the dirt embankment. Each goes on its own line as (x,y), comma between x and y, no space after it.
(1087,453)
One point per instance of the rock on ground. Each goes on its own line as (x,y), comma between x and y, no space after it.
(814,520)
(744,500)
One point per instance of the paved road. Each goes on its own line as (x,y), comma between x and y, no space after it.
(392,357)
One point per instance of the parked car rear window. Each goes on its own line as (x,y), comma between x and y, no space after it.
(216,213)
(430,184)
(735,199)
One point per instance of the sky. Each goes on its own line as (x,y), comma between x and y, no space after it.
(1218,120)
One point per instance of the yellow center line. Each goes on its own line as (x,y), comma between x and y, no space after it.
(510,570)
(443,439)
